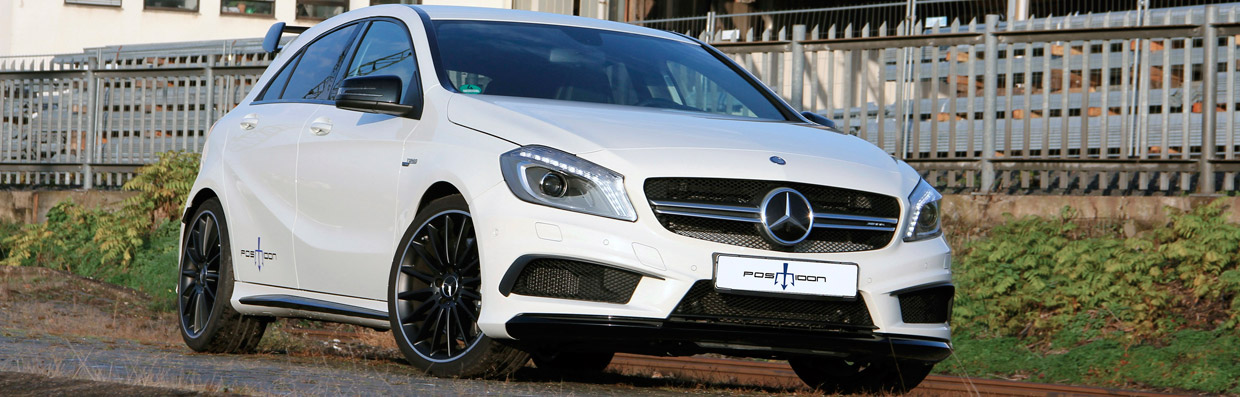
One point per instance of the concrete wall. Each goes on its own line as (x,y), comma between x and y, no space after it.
(28,207)
(16,206)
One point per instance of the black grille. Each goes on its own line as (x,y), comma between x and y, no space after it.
(565,279)
(931,305)
(749,193)
(703,304)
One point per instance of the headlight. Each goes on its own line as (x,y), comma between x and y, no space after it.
(923,213)
(542,175)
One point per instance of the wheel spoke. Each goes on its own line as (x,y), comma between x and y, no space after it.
(432,235)
(463,244)
(431,260)
(447,332)
(459,327)
(471,264)
(426,278)
(208,226)
(210,292)
(472,318)
(427,328)
(212,276)
(188,273)
(449,229)
(418,295)
(470,295)
(421,310)
(191,246)
(213,259)
(200,311)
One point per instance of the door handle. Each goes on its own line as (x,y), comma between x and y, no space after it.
(249,121)
(321,126)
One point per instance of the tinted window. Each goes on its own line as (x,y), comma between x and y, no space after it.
(385,50)
(315,75)
(591,65)
(279,82)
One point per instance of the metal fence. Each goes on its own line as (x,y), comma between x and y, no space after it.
(1114,103)
(88,120)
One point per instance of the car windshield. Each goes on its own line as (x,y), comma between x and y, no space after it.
(592,65)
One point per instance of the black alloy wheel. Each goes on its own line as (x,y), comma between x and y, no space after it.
(437,296)
(200,274)
(435,299)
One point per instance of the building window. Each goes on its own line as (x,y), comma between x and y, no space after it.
(247,7)
(378,2)
(110,3)
(181,5)
(321,9)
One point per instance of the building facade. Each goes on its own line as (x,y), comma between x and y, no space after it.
(33,27)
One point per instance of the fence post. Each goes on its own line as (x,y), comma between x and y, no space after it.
(210,110)
(989,92)
(710,26)
(798,67)
(1209,115)
(92,122)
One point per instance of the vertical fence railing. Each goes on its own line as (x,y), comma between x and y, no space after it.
(1114,103)
(89,120)
(1117,103)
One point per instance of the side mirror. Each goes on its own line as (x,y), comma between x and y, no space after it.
(818,119)
(374,94)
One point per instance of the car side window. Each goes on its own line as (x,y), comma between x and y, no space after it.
(315,75)
(385,50)
(276,87)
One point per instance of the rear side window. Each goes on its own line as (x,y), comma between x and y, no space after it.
(314,77)
(385,50)
(276,88)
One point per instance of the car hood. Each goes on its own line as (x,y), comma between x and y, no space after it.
(585,128)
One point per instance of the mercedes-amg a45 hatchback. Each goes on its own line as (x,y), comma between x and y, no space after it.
(495,185)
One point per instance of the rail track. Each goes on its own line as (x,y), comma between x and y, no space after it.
(780,376)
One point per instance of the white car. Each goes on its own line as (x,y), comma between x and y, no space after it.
(494,185)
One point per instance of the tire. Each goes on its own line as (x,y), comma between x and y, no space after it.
(882,376)
(434,295)
(573,362)
(208,322)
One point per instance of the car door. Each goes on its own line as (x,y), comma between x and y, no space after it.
(262,154)
(347,176)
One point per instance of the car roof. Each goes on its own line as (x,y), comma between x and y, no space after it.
(440,13)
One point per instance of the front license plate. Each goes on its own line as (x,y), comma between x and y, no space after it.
(781,276)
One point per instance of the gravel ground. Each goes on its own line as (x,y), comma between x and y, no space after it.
(62,334)
(263,374)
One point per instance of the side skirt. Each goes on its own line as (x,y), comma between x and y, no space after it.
(263,300)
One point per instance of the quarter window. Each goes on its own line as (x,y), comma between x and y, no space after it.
(385,50)
(248,7)
(184,5)
(315,75)
(321,9)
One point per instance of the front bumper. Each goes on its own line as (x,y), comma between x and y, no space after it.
(511,231)
(662,337)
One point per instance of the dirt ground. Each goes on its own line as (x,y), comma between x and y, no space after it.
(62,334)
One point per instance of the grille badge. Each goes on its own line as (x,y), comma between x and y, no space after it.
(787,217)
(778,160)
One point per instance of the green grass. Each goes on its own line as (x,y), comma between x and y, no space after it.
(154,268)
(1191,360)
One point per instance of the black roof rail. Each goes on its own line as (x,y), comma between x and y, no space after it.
(271,42)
